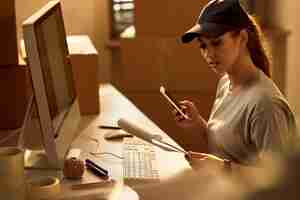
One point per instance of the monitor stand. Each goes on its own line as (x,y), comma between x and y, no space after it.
(34,156)
(32,140)
(37,159)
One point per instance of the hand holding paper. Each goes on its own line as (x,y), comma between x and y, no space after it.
(148,137)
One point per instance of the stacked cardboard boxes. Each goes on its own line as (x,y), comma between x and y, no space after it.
(15,84)
(167,18)
(157,57)
(84,60)
(8,34)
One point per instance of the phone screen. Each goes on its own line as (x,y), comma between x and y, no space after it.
(172,101)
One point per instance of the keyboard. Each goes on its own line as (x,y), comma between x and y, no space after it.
(139,163)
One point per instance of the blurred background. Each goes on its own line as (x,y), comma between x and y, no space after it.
(139,50)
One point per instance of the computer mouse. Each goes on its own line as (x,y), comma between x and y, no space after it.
(115,135)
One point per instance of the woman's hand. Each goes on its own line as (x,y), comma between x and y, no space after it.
(204,161)
(194,118)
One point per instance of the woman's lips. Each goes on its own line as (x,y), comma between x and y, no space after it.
(213,65)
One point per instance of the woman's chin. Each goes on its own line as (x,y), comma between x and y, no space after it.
(218,72)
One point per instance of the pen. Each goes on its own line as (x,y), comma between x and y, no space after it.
(109,127)
(96,171)
(93,185)
(97,166)
(198,155)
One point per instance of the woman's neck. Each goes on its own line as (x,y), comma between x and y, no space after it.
(242,73)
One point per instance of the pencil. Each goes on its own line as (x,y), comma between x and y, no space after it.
(83,186)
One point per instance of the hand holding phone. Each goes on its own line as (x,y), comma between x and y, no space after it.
(172,102)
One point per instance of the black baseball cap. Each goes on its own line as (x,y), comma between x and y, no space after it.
(217,18)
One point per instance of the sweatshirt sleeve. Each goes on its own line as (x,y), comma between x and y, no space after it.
(272,128)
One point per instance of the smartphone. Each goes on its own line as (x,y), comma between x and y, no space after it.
(172,101)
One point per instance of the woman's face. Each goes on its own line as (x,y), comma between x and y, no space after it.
(221,53)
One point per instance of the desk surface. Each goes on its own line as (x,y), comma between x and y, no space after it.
(114,106)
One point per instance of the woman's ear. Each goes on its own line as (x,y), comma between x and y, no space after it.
(244,37)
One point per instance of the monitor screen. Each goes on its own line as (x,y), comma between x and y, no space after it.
(47,52)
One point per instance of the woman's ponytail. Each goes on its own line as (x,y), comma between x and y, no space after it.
(257,47)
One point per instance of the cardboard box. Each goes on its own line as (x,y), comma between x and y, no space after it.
(16,88)
(8,34)
(149,62)
(186,68)
(166,18)
(142,64)
(84,60)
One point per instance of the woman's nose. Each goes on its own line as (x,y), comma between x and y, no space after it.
(209,54)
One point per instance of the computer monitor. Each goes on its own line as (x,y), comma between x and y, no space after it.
(47,53)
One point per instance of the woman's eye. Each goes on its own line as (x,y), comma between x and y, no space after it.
(216,42)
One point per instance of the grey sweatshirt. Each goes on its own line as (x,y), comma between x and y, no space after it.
(256,120)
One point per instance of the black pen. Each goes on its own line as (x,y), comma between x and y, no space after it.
(109,127)
(96,171)
(97,166)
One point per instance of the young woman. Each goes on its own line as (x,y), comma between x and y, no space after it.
(249,117)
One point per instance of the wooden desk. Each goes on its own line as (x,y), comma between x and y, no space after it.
(89,138)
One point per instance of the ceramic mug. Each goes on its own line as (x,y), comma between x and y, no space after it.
(12,180)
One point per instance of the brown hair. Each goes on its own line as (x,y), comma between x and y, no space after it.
(257,47)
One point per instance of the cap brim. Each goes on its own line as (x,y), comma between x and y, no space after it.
(191,34)
(205,29)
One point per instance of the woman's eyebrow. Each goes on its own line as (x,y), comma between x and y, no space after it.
(218,38)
